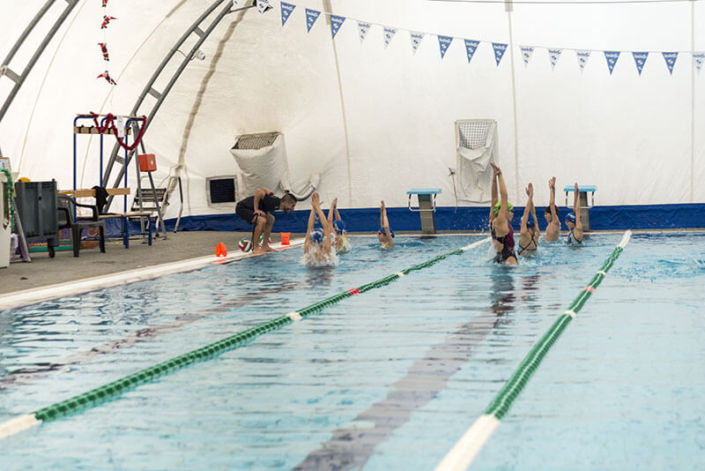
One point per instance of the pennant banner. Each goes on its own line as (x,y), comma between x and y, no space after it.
(640,60)
(362,30)
(470,48)
(670,58)
(611,57)
(499,49)
(526,53)
(311,17)
(388,35)
(583,57)
(699,58)
(416,41)
(263,5)
(335,23)
(444,44)
(553,56)
(287,10)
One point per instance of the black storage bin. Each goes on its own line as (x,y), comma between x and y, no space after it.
(37,209)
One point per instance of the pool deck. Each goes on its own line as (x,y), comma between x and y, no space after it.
(64,267)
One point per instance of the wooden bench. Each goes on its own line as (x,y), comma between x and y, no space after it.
(90,193)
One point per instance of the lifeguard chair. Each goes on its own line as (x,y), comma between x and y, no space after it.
(426,208)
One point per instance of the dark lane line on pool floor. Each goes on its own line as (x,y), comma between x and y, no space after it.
(27,375)
(352,447)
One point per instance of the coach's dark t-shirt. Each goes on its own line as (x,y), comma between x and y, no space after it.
(267,204)
(246,208)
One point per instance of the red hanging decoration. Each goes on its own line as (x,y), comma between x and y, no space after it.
(106,20)
(104,50)
(110,124)
(107,77)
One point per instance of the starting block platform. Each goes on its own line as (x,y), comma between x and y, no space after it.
(426,207)
(583,191)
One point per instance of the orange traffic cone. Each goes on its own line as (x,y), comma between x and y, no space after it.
(221,250)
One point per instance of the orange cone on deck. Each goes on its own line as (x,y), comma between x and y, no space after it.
(221,250)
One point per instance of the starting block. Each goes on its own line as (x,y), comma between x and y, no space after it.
(426,208)
(583,191)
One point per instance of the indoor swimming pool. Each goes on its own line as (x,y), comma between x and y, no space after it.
(388,379)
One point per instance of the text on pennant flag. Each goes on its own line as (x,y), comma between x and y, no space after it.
(526,53)
(287,10)
(311,17)
(335,23)
(388,35)
(363,29)
(670,58)
(263,5)
(499,49)
(583,57)
(444,44)
(470,48)
(699,58)
(553,56)
(611,57)
(640,60)
(416,41)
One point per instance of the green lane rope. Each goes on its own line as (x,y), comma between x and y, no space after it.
(470,444)
(117,387)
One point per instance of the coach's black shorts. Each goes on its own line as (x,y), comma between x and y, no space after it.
(245,213)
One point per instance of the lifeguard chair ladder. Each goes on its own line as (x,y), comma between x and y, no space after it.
(426,208)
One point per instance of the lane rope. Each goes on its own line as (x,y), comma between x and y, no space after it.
(470,444)
(114,389)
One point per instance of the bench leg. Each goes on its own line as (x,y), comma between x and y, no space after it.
(101,241)
(149,230)
(76,239)
(125,233)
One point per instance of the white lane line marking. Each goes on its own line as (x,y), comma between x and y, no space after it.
(469,445)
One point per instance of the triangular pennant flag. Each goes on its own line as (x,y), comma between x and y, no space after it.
(640,60)
(444,44)
(335,23)
(363,29)
(611,57)
(235,3)
(526,53)
(311,17)
(553,56)
(287,10)
(416,41)
(470,48)
(670,58)
(699,58)
(583,57)
(388,35)
(499,49)
(263,5)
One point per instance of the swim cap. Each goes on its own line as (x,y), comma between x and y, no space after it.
(317,236)
(530,223)
(495,209)
(339,226)
(570,217)
(381,231)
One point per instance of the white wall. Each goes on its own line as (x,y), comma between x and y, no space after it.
(384,112)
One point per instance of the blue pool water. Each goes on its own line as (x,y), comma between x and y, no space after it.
(389,379)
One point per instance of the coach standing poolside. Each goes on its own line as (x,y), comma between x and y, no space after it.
(256,210)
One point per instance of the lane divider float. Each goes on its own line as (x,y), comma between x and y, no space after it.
(114,389)
(466,449)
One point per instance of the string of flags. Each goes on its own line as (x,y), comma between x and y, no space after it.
(107,18)
(498,48)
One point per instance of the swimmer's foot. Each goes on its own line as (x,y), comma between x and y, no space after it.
(267,248)
(259,251)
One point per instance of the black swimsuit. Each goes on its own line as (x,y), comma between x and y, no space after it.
(507,242)
(521,249)
(571,238)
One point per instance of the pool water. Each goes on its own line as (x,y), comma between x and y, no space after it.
(389,379)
